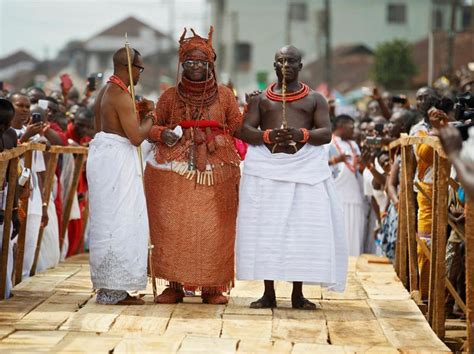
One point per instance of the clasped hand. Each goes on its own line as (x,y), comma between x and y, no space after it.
(285,136)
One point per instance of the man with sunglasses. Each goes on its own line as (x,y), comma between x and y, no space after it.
(118,215)
(191,182)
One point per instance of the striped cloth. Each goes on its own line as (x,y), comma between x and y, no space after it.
(290,224)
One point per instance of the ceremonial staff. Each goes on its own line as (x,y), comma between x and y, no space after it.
(284,123)
(140,157)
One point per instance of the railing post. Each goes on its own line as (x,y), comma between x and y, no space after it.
(410,212)
(402,223)
(70,197)
(28,158)
(438,244)
(469,236)
(12,178)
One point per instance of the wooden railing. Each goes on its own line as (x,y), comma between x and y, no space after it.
(9,160)
(406,260)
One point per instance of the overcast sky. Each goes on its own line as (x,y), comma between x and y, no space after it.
(43,27)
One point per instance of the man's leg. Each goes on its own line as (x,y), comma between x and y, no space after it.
(268,300)
(298,301)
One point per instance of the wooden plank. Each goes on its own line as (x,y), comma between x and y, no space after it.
(70,197)
(241,306)
(93,318)
(469,260)
(58,149)
(247,326)
(347,310)
(47,316)
(196,319)
(76,283)
(353,291)
(142,343)
(350,333)
(411,334)
(15,308)
(192,344)
(47,189)
(7,218)
(13,153)
(255,346)
(373,263)
(31,341)
(149,318)
(383,286)
(299,326)
(84,342)
(5,331)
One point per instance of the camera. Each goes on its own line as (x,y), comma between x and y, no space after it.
(374,141)
(464,107)
(91,85)
(464,114)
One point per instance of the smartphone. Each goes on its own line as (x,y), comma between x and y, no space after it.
(91,83)
(66,82)
(399,99)
(36,118)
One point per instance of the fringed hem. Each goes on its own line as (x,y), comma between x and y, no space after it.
(203,288)
(214,174)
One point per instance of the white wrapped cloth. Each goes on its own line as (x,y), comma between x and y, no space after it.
(290,224)
(118,216)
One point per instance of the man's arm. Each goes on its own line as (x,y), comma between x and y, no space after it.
(250,132)
(97,122)
(322,133)
(135,132)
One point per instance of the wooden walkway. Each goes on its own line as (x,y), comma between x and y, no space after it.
(55,311)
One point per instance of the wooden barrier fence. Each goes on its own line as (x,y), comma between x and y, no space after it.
(406,258)
(9,161)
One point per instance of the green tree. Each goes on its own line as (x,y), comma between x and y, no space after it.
(394,66)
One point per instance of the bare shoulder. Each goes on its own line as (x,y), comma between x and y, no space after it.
(316,96)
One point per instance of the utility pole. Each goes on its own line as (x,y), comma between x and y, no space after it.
(288,23)
(327,59)
(451,39)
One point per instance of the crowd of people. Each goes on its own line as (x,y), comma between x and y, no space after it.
(333,177)
(53,118)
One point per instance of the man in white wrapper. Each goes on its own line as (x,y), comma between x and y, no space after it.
(344,158)
(118,215)
(290,224)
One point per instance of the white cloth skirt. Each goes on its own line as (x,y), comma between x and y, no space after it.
(118,215)
(292,232)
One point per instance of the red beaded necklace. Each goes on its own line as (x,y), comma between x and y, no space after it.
(114,79)
(290,96)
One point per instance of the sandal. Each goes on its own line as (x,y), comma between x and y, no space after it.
(214,299)
(264,302)
(130,300)
(302,303)
(169,296)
